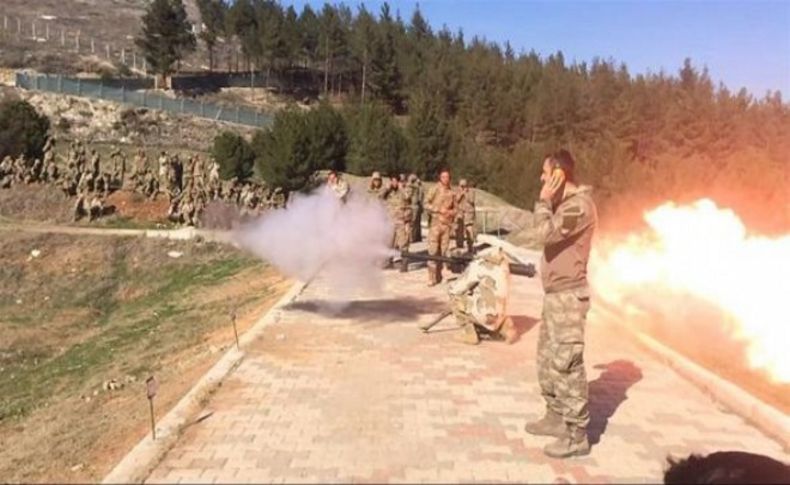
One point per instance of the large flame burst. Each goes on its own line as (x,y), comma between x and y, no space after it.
(705,252)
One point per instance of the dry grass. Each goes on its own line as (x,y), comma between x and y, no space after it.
(90,309)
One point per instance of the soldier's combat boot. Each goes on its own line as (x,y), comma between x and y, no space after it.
(551,424)
(468,335)
(574,443)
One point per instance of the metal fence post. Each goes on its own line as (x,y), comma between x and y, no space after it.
(62,37)
(182,105)
(34,30)
(47,30)
(202,109)
(60,83)
(38,85)
(144,96)
(123,94)
(79,86)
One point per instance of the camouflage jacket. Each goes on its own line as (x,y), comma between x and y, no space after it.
(566,234)
(485,285)
(466,205)
(406,203)
(441,199)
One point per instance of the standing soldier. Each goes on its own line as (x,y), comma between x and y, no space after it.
(406,217)
(441,204)
(565,219)
(277,199)
(392,199)
(376,187)
(417,198)
(465,230)
(338,185)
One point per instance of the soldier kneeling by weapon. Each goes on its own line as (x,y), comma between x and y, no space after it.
(479,297)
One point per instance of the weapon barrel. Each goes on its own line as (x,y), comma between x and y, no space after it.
(517,269)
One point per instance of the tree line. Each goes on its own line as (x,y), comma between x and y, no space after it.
(411,98)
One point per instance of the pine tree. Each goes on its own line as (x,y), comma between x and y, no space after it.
(364,35)
(428,137)
(212,14)
(377,142)
(385,78)
(166,35)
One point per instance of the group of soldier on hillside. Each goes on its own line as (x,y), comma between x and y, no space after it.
(189,185)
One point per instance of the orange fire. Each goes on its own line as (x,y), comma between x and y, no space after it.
(705,252)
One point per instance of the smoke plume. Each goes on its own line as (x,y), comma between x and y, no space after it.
(318,234)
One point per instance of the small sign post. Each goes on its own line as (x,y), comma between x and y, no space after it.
(235,331)
(151,387)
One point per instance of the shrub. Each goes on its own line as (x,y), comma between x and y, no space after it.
(22,130)
(234,156)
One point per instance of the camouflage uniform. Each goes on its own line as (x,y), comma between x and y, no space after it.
(376,191)
(465,228)
(277,199)
(392,199)
(417,197)
(405,214)
(479,297)
(566,233)
(439,199)
(340,189)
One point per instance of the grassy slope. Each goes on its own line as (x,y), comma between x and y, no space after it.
(91,309)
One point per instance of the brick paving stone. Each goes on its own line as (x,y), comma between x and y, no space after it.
(359,394)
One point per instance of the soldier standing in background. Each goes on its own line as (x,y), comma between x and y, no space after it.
(406,217)
(338,185)
(392,199)
(376,187)
(465,229)
(565,219)
(417,199)
(441,204)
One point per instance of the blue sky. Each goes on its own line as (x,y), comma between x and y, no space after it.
(742,43)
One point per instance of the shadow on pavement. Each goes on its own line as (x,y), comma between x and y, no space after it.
(523,324)
(387,310)
(607,392)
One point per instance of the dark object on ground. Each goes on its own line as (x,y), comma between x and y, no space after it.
(458,263)
(733,467)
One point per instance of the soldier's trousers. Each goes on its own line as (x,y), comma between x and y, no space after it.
(465,235)
(403,236)
(438,244)
(416,227)
(563,381)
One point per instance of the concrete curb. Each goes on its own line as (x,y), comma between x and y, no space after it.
(138,464)
(768,419)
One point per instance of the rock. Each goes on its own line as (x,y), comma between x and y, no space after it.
(175,254)
(112,385)
(280,336)
(78,467)
(35,253)
(19,301)
(130,379)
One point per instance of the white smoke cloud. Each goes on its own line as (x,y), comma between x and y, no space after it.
(318,234)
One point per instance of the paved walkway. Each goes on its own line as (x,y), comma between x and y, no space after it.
(360,395)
